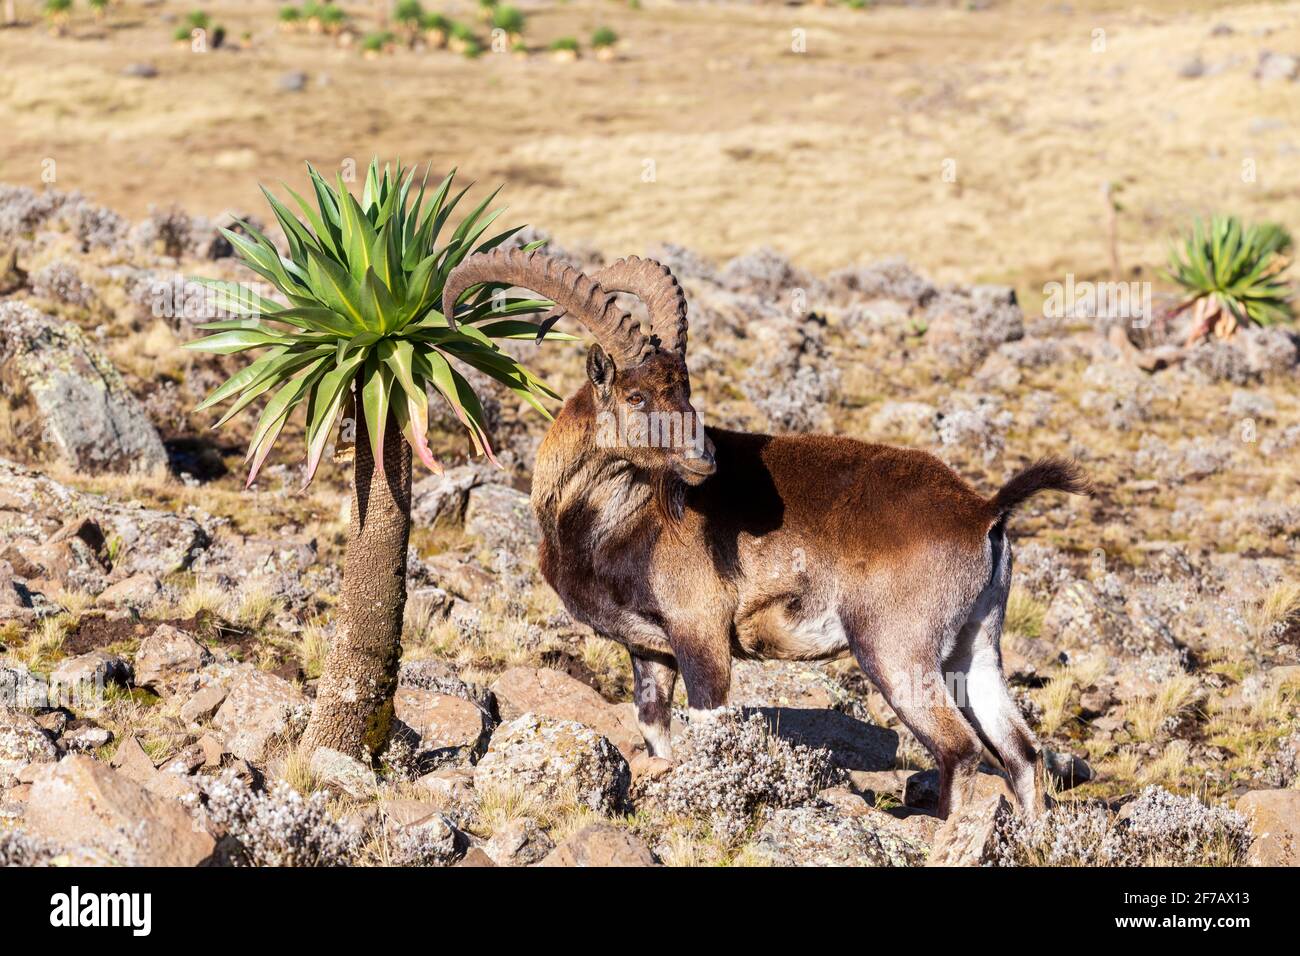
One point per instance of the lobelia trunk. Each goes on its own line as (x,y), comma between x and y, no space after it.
(354,700)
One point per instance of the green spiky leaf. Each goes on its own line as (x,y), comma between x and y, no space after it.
(363,283)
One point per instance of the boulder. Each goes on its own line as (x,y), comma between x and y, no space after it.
(88,414)
(342,773)
(34,508)
(464,579)
(1066,770)
(844,800)
(86,676)
(452,727)
(23,741)
(166,655)
(259,710)
(204,704)
(131,759)
(823,836)
(601,844)
(552,693)
(85,736)
(502,517)
(449,786)
(970,838)
(20,688)
(82,802)
(554,760)
(519,842)
(137,591)
(444,497)
(15,598)
(1274,817)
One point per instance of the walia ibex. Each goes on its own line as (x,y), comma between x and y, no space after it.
(694,545)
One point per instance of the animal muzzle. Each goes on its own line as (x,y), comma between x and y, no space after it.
(696,465)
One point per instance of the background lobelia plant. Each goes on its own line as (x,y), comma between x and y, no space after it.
(1232,276)
(361,337)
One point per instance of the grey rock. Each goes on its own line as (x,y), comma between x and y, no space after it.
(145,71)
(23,741)
(1277,67)
(342,773)
(87,737)
(970,838)
(166,655)
(519,842)
(260,710)
(294,81)
(34,507)
(556,759)
(89,414)
(1067,770)
(602,845)
(443,497)
(87,675)
(502,517)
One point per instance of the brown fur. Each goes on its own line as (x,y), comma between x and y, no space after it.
(798,547)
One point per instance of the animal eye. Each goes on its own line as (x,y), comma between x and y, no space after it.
(636,399)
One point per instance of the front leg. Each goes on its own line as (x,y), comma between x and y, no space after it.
(706,671)
(655,678)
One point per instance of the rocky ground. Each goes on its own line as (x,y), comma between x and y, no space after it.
(162,629)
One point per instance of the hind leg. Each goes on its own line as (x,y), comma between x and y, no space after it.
(654,679)
(982,693)
(915,689)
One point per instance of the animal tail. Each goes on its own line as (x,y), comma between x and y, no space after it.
(1046,474)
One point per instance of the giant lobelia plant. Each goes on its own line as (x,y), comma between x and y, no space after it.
(360,341)
(1231,275)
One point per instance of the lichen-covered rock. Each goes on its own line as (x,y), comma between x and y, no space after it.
(1088,615)
(81,801)
(502,517)
(555,760)
(519,842)
(84,677)
(20,688)
(34,508)
(552,693)
(444,497)
(89,414)
(601,845)
(971,837)
(342,773)
(260,710)
(451,727)
(822,836)
(23,741)
(166,655)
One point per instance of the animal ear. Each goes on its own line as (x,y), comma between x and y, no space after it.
(600,369)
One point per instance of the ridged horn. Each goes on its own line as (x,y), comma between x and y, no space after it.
(572,291)
(654,284)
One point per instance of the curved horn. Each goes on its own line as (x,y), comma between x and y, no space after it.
(616,331)
(654,284)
